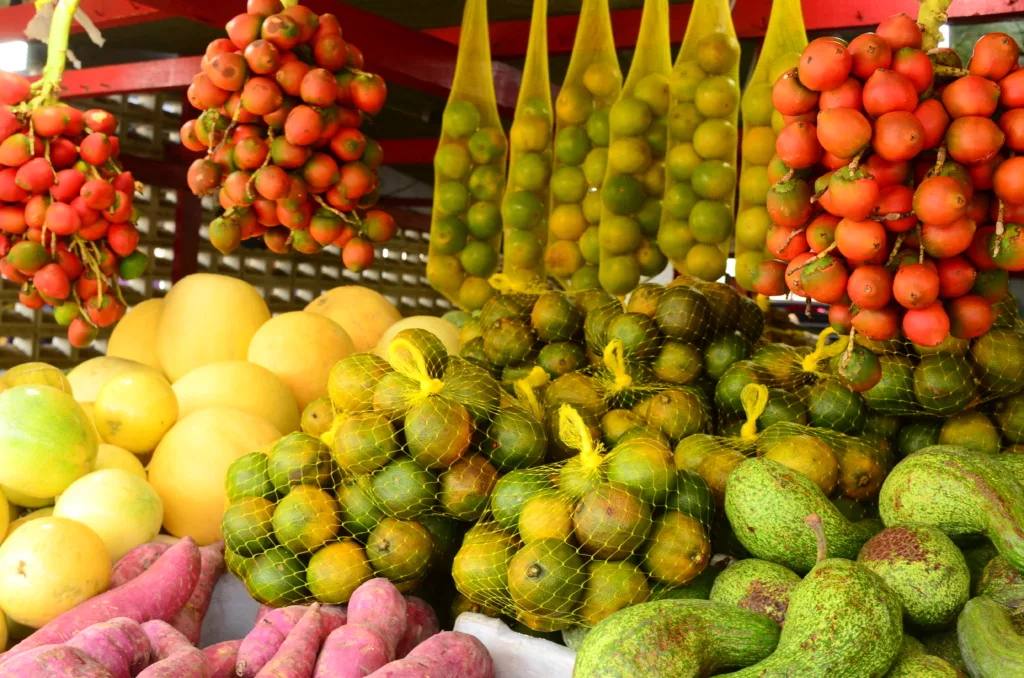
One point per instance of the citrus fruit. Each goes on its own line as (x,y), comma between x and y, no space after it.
(573,105)
(452,161)
(619,235)
(611,522)
(530,172)
(687,76)
(306,519)
(247,477)
(757,105)
(483,221)
(448,236)
(599,127)
(460,119)
(619,274)
(711,222)
(715,138)
(809,455)
(400,550)
(567,221)
(610,587)
(572,145)
(277,578)
(522,210)
(629,155)
(758,145)
(717,97)
(656,137)
(568,185)
(592,207)
(752,227)
(679,549)
(622,194)
(718,52)
(486,182)
(716,179)
(754,185)
(563,258)
(706,262)
(48,566)
(522,248)
(630,117)
(602,78)
(248,526)
(452,197)
(336,571)
(479,259)
(973,430)
(546,578)
(530,133)
(119,506)
(595,165)
(682,160)
(487,146)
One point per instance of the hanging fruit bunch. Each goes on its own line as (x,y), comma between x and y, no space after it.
(283,97)
(67,230)
(892,191)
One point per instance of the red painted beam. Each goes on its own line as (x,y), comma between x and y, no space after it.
(401,55)
(104,13)
(750,18)
(408,151)
(142,76)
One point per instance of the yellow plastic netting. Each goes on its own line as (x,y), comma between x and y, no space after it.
(469,171)
(634,180)
(591,86)
(527,196)
(700,168)
(780,51)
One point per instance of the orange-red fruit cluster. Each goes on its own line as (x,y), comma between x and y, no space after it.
(283,97)
(886,181)
(67,229)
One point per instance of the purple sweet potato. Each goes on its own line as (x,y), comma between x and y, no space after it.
(413,667)
(353,651)
(298,652)
(262,643)
(379,604)
(135,562)
(421,623)
(120,645)
(222,657)
(460,655)
(159,593)
(189,619)
(53,661)
(173,656)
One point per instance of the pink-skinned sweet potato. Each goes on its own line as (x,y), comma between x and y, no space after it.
(263,642)
(135,562)
(298,652)
(353,651)
(173,656)
(159,593)
(120,645)
(460,655)
(379,604)
(53,661)
(413,667)
(262,612)
(420,623)
(333,616)
(189,619)
(222,657)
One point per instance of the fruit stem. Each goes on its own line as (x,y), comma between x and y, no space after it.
(344,217)
(895,249)
(266,161)
(817,196)
(920,245)
(856,160)
(792,235)
(848,353)
(56,52)
(932,15)
(940,160)
(999,231)
(808,306)
(950,72)
(228,131)
(786,177)
(813,521)
(820,255)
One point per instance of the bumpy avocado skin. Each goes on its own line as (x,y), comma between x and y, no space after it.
(990,646)
(960,492)
(914,662)
(766,504)
(757,585)
(1004,584)
(678,638)
(925,570)
(842,622)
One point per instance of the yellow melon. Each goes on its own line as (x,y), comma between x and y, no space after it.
(35,373)
(439,327)
(300,348)
(48,566)
(207,319)
(44,512)
(134,335)
(360,311)
(189,466)
(112,456)
(88,378)
(242,385)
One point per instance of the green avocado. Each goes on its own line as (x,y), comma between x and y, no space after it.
(914,662)
(757,585)
(990,646)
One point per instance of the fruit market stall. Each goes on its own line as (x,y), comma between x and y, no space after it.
(699,353)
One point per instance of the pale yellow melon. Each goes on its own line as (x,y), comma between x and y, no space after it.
(32,515)
(447,332)
(88,378)
(300,348)
(360,311)
(112,456)
(242,385)
(207,319)
(190,463)
(134,335)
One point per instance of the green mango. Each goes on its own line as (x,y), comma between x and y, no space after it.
(678,638)
(766,504)
(961,493)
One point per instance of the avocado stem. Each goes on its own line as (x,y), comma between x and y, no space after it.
(813,521)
